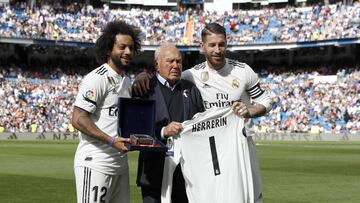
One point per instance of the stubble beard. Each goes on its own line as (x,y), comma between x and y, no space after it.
(217,64)
(117,61)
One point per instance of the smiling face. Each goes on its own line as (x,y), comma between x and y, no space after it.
(214,48)
(169,64)
(122,53)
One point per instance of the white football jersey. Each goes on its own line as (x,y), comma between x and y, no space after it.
(214,157)
(221,88)
(98,94)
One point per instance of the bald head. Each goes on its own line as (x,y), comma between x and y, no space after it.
(168,62)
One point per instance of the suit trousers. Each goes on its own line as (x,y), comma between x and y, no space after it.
(178,194)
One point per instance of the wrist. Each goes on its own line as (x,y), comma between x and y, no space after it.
(112,141)
(256,111)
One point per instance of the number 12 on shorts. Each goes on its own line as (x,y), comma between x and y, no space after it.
(101,193)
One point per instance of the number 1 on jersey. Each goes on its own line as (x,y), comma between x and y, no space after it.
(214,155)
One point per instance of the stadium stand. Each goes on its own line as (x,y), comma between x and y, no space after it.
(290,24)
(304,101)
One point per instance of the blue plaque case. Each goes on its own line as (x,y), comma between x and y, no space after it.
(136,120)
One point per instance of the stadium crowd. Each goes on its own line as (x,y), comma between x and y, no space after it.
(34,104)
(83,23)
(305,101)
(310,102)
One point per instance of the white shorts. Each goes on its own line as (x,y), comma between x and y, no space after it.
(93,186)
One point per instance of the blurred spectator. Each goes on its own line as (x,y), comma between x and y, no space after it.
(304,101)
(83,23)
(310,102)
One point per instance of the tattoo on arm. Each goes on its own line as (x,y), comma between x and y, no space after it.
(257,110)
(85,124)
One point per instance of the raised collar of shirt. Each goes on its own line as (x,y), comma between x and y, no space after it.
(165,82)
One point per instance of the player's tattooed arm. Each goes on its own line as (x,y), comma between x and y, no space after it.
(82,121)
(256,110)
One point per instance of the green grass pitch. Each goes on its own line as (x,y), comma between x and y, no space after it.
(292,172)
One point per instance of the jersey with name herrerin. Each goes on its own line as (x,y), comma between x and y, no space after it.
(98,94)
(213,153)
(221,88)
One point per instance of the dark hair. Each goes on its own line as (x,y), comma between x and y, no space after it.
(105,43)
(212,28)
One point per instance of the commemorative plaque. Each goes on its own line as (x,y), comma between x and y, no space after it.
(136,120)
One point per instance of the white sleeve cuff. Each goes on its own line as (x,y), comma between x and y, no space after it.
(162,133)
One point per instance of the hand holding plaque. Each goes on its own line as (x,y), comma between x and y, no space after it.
(136,120)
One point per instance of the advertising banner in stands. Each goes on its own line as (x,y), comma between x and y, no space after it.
(306,137)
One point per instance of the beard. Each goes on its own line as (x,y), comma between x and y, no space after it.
(119,64)
(217,63)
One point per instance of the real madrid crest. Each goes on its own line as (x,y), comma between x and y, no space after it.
(235,84)
(204,76)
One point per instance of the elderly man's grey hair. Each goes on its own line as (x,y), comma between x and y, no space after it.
(161,47)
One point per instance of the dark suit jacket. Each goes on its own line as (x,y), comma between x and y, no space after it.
(151,164)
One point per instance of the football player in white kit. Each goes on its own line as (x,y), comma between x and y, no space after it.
(224,82)
(100,164)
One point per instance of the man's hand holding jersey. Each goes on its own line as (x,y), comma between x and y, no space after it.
(172,129)
(253,111)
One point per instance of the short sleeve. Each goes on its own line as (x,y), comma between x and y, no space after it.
(90,93)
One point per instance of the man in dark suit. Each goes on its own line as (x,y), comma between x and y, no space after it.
(176,101)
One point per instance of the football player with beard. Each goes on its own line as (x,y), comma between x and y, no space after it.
(100,164)
(225,82)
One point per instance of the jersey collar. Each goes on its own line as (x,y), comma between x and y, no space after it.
(218,71)
(112,72)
